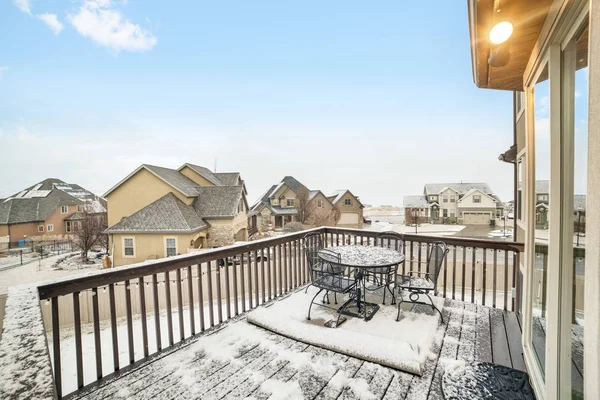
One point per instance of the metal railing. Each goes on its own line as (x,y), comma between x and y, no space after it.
(189,294)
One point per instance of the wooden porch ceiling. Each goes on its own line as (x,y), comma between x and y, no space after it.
(527,17)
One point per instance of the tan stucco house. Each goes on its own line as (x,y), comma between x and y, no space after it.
(157,212)
(463,203)
(290,201)
(45,211)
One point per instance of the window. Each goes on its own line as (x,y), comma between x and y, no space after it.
(50,228)
(452,199)
(433,198)
(320,203)
(543,197)
(445,199)
(290,202)
(520,177)
(40,228)
(445,213)
(274,201)
(64,209)
(128,247)
(347,202)
(170,247)
(80,208)
(519,101)
(451,213)
(67,226)
(476,198)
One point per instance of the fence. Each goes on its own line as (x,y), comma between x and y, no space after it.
(178,297)
(11,256)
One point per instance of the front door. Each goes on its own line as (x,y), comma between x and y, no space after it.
(278,221)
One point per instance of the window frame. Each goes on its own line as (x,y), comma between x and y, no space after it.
(40,228)
(287,203)
(476,199)
(50,228)
(125,255)
(166,239)
(347,202)
(68,226)
(319,203)
(64,209)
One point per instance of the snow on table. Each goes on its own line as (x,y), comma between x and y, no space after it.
(367,256)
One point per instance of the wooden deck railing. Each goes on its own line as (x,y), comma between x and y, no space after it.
(173,299)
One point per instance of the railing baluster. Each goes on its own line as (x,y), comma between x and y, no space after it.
(56,347)
(256,291)
(514,281)
(78,348)
(201,296)
(178,284)
(228,291)
(454,273)
(143,315)
(191,299)
(129,322)
(419,255)
(445,274)
(494,278)
(242,285)
(473,283)
(113,326)
(97,343)
(156,311)
(219,297)
(249,278)
(169,309)
(464,272)
(505,279)
(279,271)
(262,267)
(235,289)
(412,245)
(294,262)
(211,303)
(270,268)
(484,286)
(285,273)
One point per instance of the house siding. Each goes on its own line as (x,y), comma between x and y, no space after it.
(354,208)
(223,232)
(136,193)
(196,177)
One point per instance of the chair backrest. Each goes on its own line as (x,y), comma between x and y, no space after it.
(436,259)
(331,262)
(391,240)
(313,242)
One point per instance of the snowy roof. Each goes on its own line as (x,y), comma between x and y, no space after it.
(337,195)
(218,201)
(39,201)
(474,191)
(167,214)
(460,188)
(542,187)
(415,201)
(579,202)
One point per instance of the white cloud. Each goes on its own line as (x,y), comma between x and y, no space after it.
(99,21)
(52,22)
(23,5)
(23,135)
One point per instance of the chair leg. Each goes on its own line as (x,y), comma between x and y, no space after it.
(385,286)
(335,297)
(434,307)
(399,303)
(311,303)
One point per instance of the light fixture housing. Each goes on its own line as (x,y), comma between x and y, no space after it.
(501,32)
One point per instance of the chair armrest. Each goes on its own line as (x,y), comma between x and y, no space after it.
(416,273)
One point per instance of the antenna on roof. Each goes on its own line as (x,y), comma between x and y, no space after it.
(215,168)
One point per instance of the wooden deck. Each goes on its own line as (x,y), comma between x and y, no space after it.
(472,332)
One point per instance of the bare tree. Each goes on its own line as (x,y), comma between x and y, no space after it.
(303,205)
(88,231)
(412,216)
(320,216)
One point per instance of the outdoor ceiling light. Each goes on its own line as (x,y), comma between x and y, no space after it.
(501,32)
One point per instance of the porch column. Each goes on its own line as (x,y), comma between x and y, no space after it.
(592,248)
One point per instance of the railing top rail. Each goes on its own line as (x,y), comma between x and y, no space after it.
(450,240)
(118,274)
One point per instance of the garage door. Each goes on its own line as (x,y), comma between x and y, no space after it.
(348,219)
(476,218)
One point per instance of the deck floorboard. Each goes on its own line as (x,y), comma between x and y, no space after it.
(471,333)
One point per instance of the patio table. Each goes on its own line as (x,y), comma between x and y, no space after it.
(364,259)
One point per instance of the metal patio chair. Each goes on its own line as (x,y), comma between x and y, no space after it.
(384,277)
(313,242)
(423,283)
(330,276)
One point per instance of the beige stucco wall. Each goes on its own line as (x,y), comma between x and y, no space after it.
(354,208)
(196,177)
(136,193)
(326,209)
(222,231)
(149,246)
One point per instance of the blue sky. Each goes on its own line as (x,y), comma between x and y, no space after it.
(378,98)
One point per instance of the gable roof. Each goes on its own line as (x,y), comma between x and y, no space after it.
(228,178)
(39,201)
(339,194)
(175,178)
(460,188)
(542,187)
(472,191)
(167,214)
(204,172)
(415,201)
(218,201)
(294,184)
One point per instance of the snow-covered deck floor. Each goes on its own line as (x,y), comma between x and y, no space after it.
(266,365)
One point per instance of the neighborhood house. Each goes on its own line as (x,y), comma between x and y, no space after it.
(157,212)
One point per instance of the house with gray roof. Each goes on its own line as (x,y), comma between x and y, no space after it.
(463,203)
(290,201)
(45,211)
(542,206)
(157,212)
